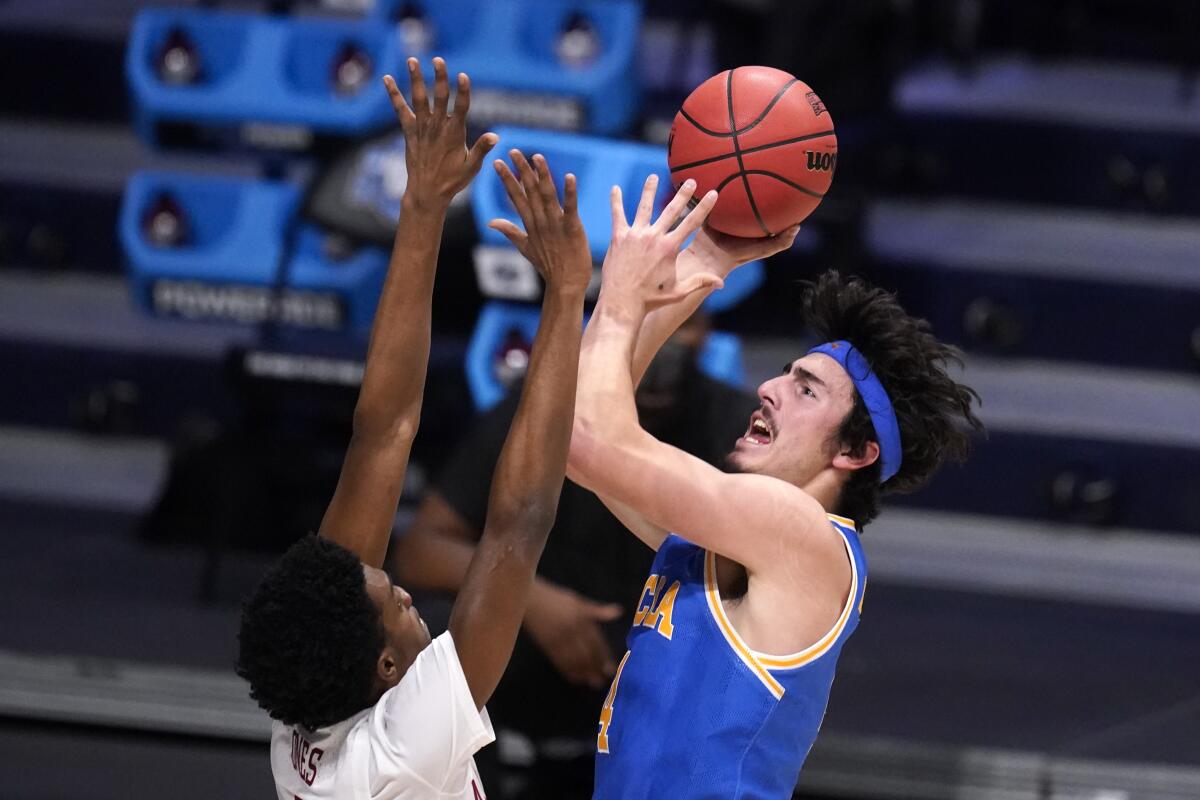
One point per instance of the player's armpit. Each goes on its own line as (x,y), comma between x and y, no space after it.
(761,522)
(653,535)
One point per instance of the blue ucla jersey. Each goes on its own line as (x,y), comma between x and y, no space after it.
(692,711)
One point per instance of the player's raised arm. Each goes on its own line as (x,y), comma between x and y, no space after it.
(529,473)
(440,165)
(663,487)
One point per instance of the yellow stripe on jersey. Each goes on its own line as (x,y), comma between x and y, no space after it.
(849,523)
(815,651)
(731,635)
(761,663)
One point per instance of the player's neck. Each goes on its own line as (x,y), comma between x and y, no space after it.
(826,488)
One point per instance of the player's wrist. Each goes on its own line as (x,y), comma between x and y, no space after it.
(425,203)
(622,310)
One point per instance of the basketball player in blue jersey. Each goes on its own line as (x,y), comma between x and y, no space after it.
(759,575)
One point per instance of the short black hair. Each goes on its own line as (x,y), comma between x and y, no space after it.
(935,413)
(310,636)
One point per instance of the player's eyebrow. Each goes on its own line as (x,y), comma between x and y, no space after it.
(800,373)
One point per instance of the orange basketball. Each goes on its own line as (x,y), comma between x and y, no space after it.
(764,140)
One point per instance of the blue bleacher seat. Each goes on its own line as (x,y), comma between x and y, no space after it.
(268,81)
(245,257)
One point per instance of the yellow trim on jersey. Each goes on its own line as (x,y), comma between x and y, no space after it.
(849,523)
(815,651)
(713,594)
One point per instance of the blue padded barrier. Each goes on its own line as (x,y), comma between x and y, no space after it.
(720,357)
(598,164)
(268,81)
(357,277)
(243,258)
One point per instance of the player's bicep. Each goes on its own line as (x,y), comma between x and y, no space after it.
(752,519)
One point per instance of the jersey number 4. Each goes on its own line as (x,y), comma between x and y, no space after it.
(606,711)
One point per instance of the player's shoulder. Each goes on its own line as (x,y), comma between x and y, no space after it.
(795,516)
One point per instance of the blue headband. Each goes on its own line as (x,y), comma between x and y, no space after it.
(879,406)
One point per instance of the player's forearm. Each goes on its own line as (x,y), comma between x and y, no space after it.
(389,402)
(661,323)
(605,413)
(529,472)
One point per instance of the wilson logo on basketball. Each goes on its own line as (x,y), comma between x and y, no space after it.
(817,106)
(821,162)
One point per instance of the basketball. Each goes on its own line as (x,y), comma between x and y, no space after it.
(761,138)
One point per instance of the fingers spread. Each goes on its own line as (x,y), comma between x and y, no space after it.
(462,100)
(570,195)
(676,207)
(399,104)
(516,192)
(646,205)
(441,87)
(619,223)
(546,188)
(420,98)
(529,181)
(695,218)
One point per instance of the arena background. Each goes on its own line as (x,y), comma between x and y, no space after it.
(185,288)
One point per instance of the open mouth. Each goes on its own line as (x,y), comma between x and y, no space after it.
(759,432)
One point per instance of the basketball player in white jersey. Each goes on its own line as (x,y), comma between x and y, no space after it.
(365,704)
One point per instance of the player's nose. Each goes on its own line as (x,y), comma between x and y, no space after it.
(405,597)
(767,393)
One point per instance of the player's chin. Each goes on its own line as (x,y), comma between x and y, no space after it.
(744,456)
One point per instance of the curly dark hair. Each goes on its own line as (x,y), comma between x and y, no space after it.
(934,412)
(310,636)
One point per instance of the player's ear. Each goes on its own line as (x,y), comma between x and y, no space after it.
(848,459)
(387,668)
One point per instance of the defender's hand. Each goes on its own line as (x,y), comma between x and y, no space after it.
(639,269)
(439,163)
(554,239)
(566,627)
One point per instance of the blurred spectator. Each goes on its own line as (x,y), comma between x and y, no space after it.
(591,573)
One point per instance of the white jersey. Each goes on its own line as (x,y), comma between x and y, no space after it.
(417,743)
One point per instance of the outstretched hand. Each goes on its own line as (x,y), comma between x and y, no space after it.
(439,163)
(639,270)
(554,240)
